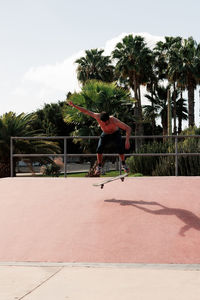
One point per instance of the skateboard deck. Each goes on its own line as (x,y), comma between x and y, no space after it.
(101,184)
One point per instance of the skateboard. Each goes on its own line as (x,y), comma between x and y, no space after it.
(101,184)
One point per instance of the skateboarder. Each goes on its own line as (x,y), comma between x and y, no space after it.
(110,127)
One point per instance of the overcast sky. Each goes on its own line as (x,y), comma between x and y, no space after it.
(40,40)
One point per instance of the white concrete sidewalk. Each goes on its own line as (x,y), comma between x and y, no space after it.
(99,282)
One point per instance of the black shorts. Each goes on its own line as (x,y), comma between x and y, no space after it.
(106,138)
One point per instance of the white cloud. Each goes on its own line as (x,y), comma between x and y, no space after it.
(151,40)
(46,84)
(50,83)
(56,77)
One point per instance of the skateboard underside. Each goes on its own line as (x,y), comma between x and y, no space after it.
(101,184)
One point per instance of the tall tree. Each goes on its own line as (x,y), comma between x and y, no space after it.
(181,112)
(49,120)
(20,125)
(94,65)
(165,54)
(134,63)
(159,108)
(185,66)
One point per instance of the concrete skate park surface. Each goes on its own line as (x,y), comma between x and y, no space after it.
(141,220)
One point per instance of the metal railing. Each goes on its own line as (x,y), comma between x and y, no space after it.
(64,155)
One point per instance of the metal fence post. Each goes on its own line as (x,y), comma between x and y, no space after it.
(11,157)
(120,167)
(176,156)
(65,156)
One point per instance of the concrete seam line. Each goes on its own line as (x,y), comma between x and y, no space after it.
(39,285)
(104,265)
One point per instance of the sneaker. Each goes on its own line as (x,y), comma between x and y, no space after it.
(98,170)
(125,168)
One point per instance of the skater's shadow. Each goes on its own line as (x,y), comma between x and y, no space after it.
(186,216)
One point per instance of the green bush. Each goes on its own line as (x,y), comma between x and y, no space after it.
(189,165)
(147,164)
(51,170)
(165,165)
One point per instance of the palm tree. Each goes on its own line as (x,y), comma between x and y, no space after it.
(173,74)
(134,64)
(49,119)
(181,112)
(166,57)
(188,72)
(95,66)
(20,125)
(162,52)
(159,107)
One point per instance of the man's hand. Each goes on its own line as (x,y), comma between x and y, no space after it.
(69,102)
(127,144)
(82,109)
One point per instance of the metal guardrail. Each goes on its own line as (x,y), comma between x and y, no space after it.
(176,154)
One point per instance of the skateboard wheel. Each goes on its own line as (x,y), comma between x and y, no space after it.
(102,186)
(122,179)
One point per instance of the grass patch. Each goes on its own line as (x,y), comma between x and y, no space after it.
(83,174)
(108,174)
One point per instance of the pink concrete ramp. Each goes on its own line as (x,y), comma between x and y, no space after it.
(142,220)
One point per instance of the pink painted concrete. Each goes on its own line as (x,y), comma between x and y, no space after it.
(142,220)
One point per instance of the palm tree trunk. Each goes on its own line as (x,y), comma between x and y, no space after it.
(153,121)
(165,127)
(137,113)
(191,105)
(140,125)
(180,119)
(137,104)
(179,125)
(139,130)
(174,109)
(169,115)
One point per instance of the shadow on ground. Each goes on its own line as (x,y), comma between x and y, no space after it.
(190,219)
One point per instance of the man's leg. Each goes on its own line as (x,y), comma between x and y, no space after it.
(100,148)
(99,158)
(122,157)
(124,166)
(99,164)
(120,148)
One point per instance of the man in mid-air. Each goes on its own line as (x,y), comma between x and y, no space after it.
(110,127)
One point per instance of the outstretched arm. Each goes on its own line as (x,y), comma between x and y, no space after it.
(84,110)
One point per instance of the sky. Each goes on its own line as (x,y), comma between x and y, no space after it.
(41,39)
